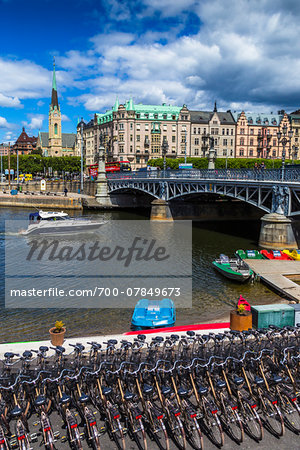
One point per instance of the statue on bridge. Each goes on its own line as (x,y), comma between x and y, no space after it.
(280,200)
(163,190)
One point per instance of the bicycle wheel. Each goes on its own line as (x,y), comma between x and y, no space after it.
(252,423)
(291,415)
(233,424)
(139,434)
(273,418)
(117,433)
(177,431)
(160,434)
(213,428)
(193,433)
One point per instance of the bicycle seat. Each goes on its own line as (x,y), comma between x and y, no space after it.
(175,337)
(43,349)
(202,390)
(128,395)
(147,389)
(112,341)
(40,400)
(106,390)
(16,411)
(238,380)
(141,337)
(96,346)
(182,392)
(221,384)
(60,349)
(27,354)
(8,355)
(79,347)
(276,378)
(159,338)
(165,390)
(190,333)
(258,380)
(64,399)
(205,336)
(83,398)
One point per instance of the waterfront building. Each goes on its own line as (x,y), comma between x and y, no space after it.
(24,144)
(4,149)
(295,124)
(256,134)
(135,133)
(54,142)
(90,150)
(219,125)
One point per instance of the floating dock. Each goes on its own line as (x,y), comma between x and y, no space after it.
(279,275)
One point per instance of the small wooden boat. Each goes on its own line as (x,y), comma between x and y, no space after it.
(153,314)
(275,254)
(249,254)
(233,268)
(294,254)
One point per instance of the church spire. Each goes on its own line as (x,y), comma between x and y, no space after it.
(215,108)
(54,98)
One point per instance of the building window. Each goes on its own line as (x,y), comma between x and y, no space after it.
(146,126)
(121,126)
(231,131)
(204,130)
(195,130)
(274,153)
(183,128)
(251,152)
(121,137)
(241,152)
(131,149)
(138,116)
(251,130)
(155,116)
(199,130)
(242,131)
(165,116)
(131,138)
(227,131)
(165,128)
(183,139)
(196,141)
(147,116)
(224,141)
(242,141)
(123,115)
(138,126)
(138,159)
(131,125)
(251,141)
(173,138)
(138,137)
(196,151)
(55,128)
(231,142)
(121,148)
(274,142)
(173,128)
(173,117)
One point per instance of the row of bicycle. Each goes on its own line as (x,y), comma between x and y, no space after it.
(175,395)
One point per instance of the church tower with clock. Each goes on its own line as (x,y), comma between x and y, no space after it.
(55,135)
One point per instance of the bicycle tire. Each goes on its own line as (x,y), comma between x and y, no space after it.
(117,433)
(252,422)
(234,424)
(160,434)
(214,428)
(95,438)
(140,435)
(290,413)
(76,441)
(273,418)
(193,433)
(177,431)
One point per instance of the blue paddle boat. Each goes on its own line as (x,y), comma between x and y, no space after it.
(153,314)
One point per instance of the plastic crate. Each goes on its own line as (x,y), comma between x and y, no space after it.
(278,314)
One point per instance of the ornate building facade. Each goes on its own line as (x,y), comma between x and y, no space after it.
(56,143)
(24,144)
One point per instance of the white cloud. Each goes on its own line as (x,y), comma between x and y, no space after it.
(35,123)
(11,102)
(4,123)
(65,118)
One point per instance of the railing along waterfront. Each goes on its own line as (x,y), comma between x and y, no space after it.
(290,175)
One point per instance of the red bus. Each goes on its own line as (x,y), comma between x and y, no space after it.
(110,167)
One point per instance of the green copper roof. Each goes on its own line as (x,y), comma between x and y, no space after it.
(116,105)
(143,112)
(54,78)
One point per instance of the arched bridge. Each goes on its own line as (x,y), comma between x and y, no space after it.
(273,190)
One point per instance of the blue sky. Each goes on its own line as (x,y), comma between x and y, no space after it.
(242,53)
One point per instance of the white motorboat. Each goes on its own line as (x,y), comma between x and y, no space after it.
(58,222)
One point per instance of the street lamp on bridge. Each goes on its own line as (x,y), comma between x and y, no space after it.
(209,142)
(164,149)
(282,139)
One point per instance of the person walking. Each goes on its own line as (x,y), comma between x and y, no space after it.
(66,192)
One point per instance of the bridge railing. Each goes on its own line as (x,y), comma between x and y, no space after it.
(288,175)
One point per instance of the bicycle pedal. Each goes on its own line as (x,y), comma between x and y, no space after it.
(33,437)
(56,434)
(82,436)
(64,439)
(102,430)
(36,423)
(125,430)
(13,443)
(95,412)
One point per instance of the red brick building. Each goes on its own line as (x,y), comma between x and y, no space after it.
(24,144)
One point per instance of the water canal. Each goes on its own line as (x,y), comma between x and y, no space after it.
(212,294)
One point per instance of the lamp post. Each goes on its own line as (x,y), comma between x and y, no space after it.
(211,154)
(282,139)
(81,157)
(295,153)
(164,149)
